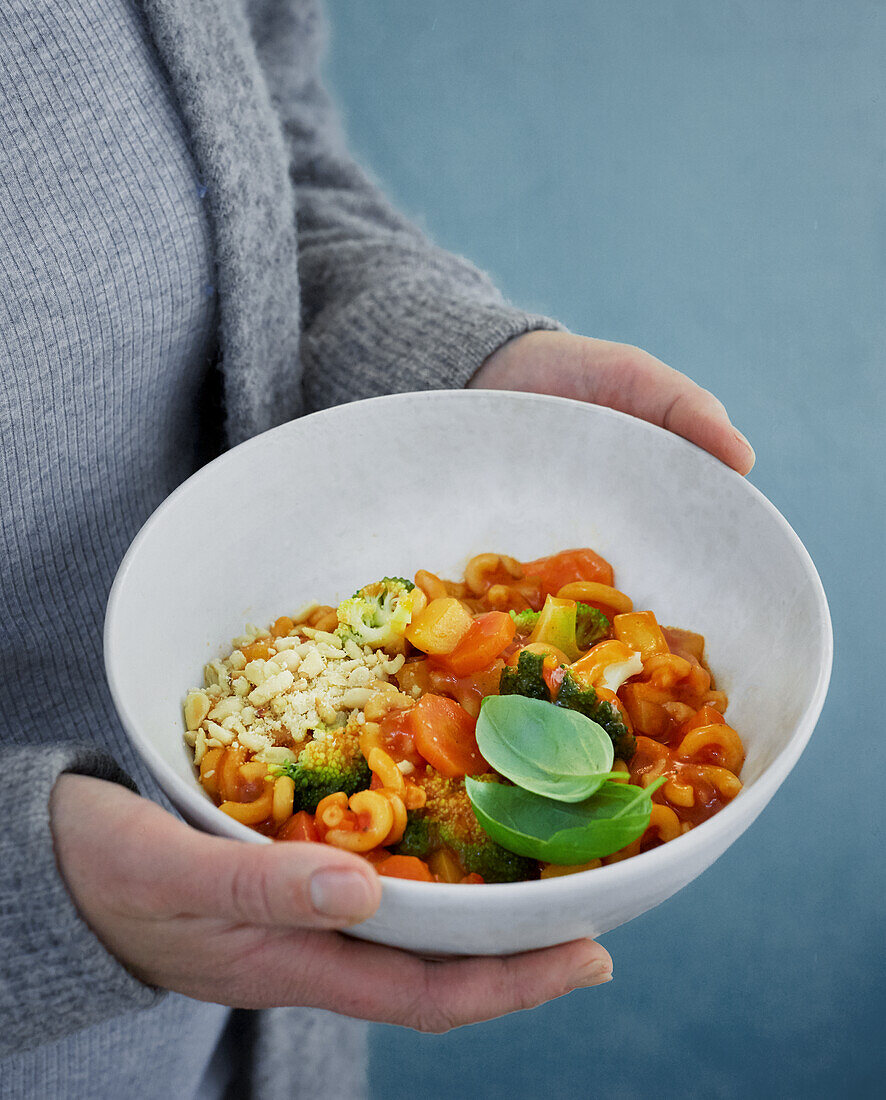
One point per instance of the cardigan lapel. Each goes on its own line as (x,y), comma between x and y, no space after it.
(236,140)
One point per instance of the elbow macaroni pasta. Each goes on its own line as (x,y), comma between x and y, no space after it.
(669,701)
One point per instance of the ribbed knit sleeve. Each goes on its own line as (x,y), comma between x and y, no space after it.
(55,975)
(383,310)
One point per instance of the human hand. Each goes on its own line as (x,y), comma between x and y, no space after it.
(253,926)
(620,377)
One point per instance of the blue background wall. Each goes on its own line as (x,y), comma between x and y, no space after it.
(704,180)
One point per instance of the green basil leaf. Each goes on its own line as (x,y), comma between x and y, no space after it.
(545,749)
(562,832)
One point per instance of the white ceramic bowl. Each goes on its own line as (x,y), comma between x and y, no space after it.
(322,505)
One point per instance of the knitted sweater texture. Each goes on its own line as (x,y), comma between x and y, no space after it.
(175,193)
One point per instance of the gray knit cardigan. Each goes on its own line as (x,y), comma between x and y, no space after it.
(325,294)
(370,307)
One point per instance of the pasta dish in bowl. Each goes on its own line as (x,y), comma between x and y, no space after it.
(459,631)
(358,726)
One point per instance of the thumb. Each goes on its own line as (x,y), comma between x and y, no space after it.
(123,854)
(283,885)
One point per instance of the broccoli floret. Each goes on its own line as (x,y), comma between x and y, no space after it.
(447,820)
(416,839)
(568,625)
(590,625)
(526,679)
(326,766)
(379,613)
(525,620)
(494,863)
(402,581)
(575,696)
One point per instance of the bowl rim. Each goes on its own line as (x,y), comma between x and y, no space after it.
(743,808)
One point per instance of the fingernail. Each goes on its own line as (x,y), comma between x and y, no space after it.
(595,973)
(748,464)
(741,439)
(340,894)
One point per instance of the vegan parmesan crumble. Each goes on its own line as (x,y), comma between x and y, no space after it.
(311,683)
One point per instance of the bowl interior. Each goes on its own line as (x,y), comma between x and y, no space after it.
(318,507)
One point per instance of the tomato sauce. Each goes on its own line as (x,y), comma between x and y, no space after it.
(672,698)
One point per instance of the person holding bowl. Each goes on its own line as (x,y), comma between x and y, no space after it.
(190,257)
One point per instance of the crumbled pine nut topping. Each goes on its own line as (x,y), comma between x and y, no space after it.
(311,681)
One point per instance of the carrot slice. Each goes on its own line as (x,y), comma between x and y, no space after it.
(488,636)
(299,827)
(410,867)
(569,565)
(443,733)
